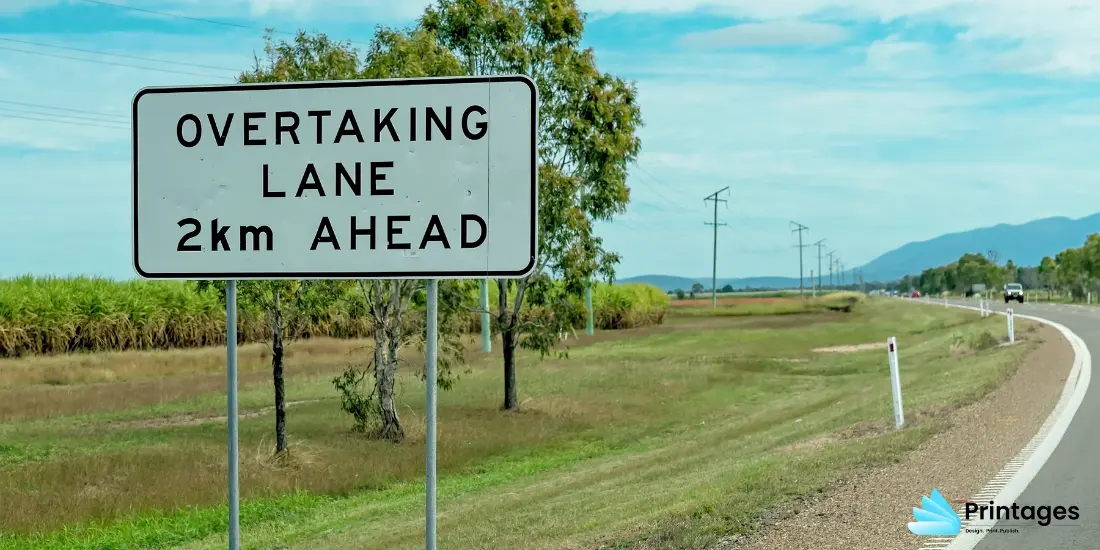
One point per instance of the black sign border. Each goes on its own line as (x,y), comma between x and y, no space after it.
(342,274)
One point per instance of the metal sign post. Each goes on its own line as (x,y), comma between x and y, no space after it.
(430,414)
(589,323)
(895,382)
(231,405)
(268,181)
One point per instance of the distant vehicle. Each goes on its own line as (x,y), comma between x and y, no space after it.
(1014,291)
(915,294)
(974,290)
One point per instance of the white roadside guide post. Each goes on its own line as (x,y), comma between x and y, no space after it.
(367,179)
(1011,327)
(895,382)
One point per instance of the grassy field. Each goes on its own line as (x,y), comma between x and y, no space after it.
(658,438)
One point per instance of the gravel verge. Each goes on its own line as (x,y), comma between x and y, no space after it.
(871,510)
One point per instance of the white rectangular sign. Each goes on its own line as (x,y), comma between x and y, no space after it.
(402,178)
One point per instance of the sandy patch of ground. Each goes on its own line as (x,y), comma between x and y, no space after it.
(870,512)
(852,348)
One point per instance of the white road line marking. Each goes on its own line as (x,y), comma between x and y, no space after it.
(1026,464)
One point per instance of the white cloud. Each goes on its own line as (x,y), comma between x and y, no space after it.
(291,10)
(848,143)
(1055,36)
(773,33)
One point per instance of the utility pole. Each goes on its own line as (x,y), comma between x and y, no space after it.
(799,228)
(832,262)
(819,244)
(714,264)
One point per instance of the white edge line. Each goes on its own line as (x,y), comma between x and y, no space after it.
(1026,465)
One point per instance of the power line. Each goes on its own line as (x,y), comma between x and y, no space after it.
(81,111)
(189,18)
(199,19)
(64,122)
(820,244)
(40,113)
(800,228)
(137,57)
(655,190)
(832,262)
(714,266)
(86,60)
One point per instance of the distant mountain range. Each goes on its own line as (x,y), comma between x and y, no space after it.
(1024,244)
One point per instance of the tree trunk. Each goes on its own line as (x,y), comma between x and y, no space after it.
(280,391)
(508,344)
(385,369)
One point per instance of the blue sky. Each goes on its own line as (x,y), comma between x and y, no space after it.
(873,122)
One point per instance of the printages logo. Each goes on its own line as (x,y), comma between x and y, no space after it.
(935,517)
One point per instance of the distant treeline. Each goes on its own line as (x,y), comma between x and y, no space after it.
(1075,271)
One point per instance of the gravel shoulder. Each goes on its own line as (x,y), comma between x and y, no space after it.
(870,511)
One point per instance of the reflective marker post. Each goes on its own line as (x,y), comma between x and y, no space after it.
(895,382)
(1011,327)
(231,414)
(430,414)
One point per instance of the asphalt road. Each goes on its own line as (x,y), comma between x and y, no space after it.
(1071,476)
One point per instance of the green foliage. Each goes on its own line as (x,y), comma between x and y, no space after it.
(357,398)
(628,305)
(59,315)
(983,340)
(1076,270)
(587,134)
(970,269)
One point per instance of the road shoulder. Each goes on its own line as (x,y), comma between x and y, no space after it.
(870,510)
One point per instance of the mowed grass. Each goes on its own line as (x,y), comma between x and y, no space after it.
(661,438)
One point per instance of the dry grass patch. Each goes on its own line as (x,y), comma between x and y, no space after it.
(624,441)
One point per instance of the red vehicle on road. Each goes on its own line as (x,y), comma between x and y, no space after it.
(915,294)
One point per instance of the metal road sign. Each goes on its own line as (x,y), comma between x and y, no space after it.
(402,178)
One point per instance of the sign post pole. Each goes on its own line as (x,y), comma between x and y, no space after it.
(895,382)
(486,328)
(589,323)
(231,414)
(434,214)
(430,414)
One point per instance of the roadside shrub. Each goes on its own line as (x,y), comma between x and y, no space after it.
(628,306)
(983,340)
